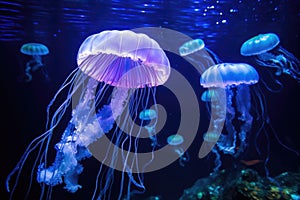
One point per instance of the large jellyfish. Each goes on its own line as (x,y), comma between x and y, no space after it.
(235,78)
(196,52)
(117,75)
(36,50)
(268,53)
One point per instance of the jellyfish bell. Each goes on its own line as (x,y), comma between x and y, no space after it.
(267,51)
(211,136)
(191,47)
(175,140)
(138,52)
(34,49)
(259,44)
(147,114)
(232,74)
(124,61)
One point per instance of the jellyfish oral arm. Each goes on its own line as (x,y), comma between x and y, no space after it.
(183,156)
(227,143)
(243,102)
(82,130)
(119,101)
(283,61)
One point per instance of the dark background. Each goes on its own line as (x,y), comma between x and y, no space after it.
(63,25)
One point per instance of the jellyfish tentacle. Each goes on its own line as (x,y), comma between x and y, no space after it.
(291,64)
(284,62)
(214,56)
(83,129)
(218,162)
(227,143)
(183,156)
(277,82)
(267,59)
(243,103)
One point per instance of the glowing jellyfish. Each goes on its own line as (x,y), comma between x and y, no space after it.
(191,47)
(268,53)
(176,140)
(236,78)
(210,95)
(196,52)
(117,70)
(36,50)
(147,115)
(213,137)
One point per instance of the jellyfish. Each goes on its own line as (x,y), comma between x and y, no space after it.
(213,137)
(268,53)
(36,50)
(196,52)
(146,116)
(118,72)
(209,95)
(236,78)
(176,140)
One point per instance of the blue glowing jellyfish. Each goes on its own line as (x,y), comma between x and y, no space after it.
(36,50)
(147,114)
(268,53)
(196,52)
(191,47)
(235,78)
(176,140)
(117,75)
(213,137)
(209,95)
(149,118)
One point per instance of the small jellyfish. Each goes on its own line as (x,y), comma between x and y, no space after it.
(149,117)
(212,137)
(176,140)
(147,114)
(191,47)
(210,95)
(36,50)
(196,52)
(268,53)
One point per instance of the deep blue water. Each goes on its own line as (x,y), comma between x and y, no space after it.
(63,25)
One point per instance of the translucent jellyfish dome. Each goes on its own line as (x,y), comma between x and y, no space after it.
(191,47)
(33,49)
(145,62)
(259,44)
(147,114)
(210,95)
(211,137)
(175,140)
(229,74)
